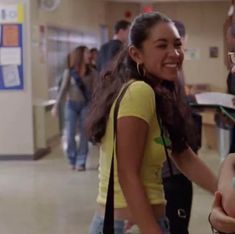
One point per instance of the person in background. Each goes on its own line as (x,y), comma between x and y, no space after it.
(152,104)
(178,189)
(93,57)
(110,49)
(231,76)
(222,216)
(229,45)
(76,86)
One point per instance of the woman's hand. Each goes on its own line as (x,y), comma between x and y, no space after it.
(54,111)
(218,219)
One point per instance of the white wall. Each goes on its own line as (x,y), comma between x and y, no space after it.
(204,25)
(16,123)
(203,21)
(116,11)
(82,15)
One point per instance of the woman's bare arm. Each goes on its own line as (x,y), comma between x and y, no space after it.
(62,92)
(64,87)
(131,140)
(196,170)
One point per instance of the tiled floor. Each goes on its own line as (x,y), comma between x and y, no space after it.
(46,197)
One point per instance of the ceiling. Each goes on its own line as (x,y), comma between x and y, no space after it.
(154,1)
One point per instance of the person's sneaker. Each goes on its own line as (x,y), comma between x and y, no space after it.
(81,168)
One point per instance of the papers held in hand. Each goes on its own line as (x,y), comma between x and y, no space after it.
(215,99)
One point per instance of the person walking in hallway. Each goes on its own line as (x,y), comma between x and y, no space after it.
(229,45)
(110,49)
(77,85)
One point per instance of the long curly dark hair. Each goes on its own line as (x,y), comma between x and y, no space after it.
(171,105)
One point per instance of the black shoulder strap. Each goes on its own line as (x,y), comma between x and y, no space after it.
(109,208)
(80,84)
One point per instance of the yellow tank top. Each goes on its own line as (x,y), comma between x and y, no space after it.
(138,101)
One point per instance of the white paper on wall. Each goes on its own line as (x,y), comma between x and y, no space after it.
(192,54)
(11,76)
(10,56)
(9,13)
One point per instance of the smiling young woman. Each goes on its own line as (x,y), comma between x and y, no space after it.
(151,109)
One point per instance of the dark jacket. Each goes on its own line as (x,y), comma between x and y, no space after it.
(231,83)
(107,52)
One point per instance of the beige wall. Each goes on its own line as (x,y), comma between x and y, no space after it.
(204,25)
(16,124)
(16,128)
(83,15)
(116,11)
(204,22)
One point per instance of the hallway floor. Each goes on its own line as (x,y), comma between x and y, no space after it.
(46,197)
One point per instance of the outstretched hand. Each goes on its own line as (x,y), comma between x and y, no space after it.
(218,218)
(54,111)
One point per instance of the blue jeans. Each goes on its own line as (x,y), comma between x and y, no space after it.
(75,113)
(119,225)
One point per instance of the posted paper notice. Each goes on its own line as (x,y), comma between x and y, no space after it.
(11,77)
(10,56)
(10,35)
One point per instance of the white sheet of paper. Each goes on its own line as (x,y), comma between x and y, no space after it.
(215,98)
(11,76)
(10,56)
(9,13)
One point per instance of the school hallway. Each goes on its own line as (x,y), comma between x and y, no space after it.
(46,197)
(38,40)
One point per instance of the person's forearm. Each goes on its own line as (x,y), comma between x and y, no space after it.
(196,170)
(138,203)
(219,219)
(63,90)
(59,97)
(225,185)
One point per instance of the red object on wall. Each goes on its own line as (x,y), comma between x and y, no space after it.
(128,14)
(147,9)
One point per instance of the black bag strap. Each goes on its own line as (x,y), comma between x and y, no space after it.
(80,84)
(165,146)
(109,208)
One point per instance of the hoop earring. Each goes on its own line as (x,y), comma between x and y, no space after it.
(138,67)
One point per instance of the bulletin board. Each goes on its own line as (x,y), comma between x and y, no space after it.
(11,47)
